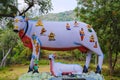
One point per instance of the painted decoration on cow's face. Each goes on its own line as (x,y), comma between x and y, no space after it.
(92,38)
(19,23)
(82,34)
(76,24)
(16,20)
(39,23)
(89,28)
(51,36)
(43,30)
(68,26)
(16,28)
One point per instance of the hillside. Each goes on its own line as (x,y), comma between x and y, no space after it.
(62,16)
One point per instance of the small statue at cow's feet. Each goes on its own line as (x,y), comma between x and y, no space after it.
(35,67)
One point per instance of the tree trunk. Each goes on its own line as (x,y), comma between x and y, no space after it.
(3,52)
(110,63)
(115,61)
(110,58)
(3,62)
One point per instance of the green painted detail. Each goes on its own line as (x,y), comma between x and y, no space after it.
(36,61)
(89,30)
(35,67)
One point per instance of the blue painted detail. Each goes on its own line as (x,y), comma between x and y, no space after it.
(68,29)
(33,56)
(40,42)
(76,43)
(23,17)
(82,34)
(34,37)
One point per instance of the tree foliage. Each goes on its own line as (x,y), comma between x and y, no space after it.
(62,16)
(104,16)
(8,39)
(8,8)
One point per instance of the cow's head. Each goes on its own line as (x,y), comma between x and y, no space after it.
(52,56)
(20,23)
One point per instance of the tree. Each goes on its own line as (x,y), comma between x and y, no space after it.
(104,16)
(10,7)
(8,39)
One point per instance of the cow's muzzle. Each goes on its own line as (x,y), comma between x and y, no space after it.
(15,30)
(50,59)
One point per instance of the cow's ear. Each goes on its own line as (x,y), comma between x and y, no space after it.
(54,55)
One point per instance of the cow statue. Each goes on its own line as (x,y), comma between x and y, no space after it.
(58,36)
(59,69)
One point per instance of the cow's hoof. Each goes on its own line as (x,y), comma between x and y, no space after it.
(30,70)
(98,70)
(85,70)
(35,71)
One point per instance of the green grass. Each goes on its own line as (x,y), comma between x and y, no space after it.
(14,71)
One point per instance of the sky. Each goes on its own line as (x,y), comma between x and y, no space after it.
(63,5)
(60,5)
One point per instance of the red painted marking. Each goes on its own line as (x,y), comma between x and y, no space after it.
(81,48)
(28,43)
(26,40)
(66,73)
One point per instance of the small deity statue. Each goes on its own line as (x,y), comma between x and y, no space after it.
(82,34)
(43,31)
(76,24)
(37,48)
(39,23)
(51,36)
(68,26)
(92,38)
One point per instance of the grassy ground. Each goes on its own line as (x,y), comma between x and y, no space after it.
(13,72)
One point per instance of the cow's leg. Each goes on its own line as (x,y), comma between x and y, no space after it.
(100,61)
(88,58)
(35,55)
(91,42)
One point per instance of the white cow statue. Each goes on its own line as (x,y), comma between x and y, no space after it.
(59,69)
(58,36)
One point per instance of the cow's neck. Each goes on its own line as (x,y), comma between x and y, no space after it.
(25,29)
(51,67)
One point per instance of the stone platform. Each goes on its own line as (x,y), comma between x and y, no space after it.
(47,76)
